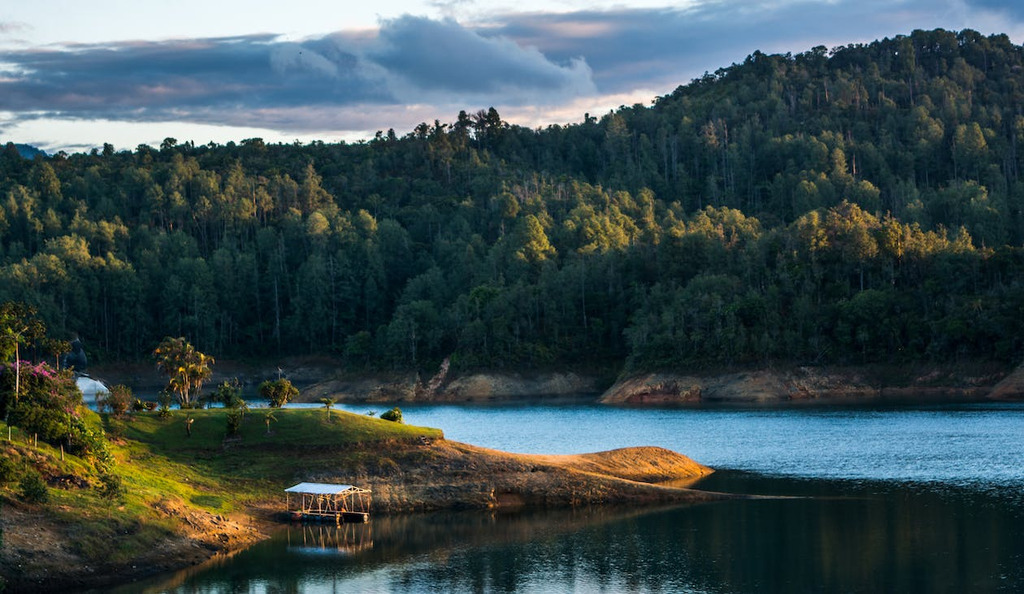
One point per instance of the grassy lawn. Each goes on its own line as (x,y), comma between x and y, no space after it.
(160,467)
(217,473)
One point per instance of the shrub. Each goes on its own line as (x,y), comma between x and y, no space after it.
(234,422)
(165,404)
(394,415)
(229,393)
(138,406)
(33,488)
(8,469)
(111,487)
(40,386)
(117,401)
(278,392)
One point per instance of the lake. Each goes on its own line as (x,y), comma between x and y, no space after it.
(913,499)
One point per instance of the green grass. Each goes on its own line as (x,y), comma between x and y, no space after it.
(158,463)
(219,474)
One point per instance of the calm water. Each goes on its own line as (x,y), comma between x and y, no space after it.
(899,500)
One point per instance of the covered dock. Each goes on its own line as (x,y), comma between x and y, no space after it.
(325,501)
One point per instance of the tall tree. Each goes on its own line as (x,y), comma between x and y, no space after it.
(185,367)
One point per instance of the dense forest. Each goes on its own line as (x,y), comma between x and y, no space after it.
(850,205)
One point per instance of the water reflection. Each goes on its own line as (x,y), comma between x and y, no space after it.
(833,536)
(319,539)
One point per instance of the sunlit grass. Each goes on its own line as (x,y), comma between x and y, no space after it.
(158,463)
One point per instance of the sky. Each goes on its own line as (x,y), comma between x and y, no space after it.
(75,75)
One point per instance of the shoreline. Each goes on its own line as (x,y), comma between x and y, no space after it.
(783,385)
(411,475)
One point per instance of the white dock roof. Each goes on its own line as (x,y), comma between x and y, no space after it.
(323,489)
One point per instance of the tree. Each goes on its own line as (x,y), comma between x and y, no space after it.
(18,325)
(268,419)
(185,367)
(118,399)
(278,392)
(328,403)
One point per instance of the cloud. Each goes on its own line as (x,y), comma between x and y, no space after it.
(8,27)
(664,47)
(534,66)
(444,58)
(261,80)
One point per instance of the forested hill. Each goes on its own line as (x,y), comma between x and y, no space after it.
(845,206)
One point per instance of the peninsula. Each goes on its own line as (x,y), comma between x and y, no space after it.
(180,500)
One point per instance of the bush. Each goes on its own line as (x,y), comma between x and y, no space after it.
(165,404)
(234,422)
(278,392)
(394,415)
(117,401)
(33,488)
(229,393)
(40,386)
(111,487)
(138,406)
(8,470)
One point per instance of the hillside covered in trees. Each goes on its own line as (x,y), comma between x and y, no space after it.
(850,205)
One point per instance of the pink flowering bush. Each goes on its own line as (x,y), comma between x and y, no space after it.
(47,405)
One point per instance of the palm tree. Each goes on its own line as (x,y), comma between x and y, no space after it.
(328,403)
(185,367)
(269,418)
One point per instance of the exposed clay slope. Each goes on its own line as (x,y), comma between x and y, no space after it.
(477,387)
(1011,388)
(805,384)
(452,475)
(43,554)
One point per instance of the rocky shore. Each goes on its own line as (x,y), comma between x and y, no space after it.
(323,378)
(814,384)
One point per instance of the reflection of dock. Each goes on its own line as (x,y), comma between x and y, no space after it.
(343,539)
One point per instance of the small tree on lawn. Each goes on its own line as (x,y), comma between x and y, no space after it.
(268,419)
(234,420)
(185,367)
(278,392)
(229,393)
(328,403)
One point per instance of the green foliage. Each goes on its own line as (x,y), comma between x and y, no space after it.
(33,488)
(19,325)
(234,422)
(278,392)
(112,487)
(771,192)
(229,393)
(328,403)
(117,400)
(185,367)
(393,415)
(9,471)
(165,404)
